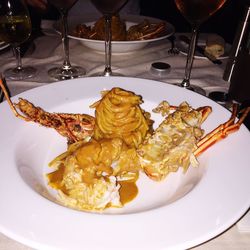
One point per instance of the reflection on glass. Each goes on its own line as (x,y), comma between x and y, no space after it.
(195,12)
(15,29)
(66,71)
(108,8)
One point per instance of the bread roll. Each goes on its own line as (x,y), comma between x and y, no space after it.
(215,46)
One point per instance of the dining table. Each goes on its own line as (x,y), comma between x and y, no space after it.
(46,52)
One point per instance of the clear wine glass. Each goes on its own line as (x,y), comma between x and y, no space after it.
(15,29)
(108,8)
(195,12)
(66,71)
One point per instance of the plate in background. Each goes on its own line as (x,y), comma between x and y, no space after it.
(117,46)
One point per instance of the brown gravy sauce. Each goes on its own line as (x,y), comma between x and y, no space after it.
(128,190)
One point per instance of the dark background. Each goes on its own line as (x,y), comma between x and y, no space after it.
(224,22)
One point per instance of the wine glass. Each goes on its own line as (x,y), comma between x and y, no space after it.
(66,71)
(108,8)
(195,12)
(15,29)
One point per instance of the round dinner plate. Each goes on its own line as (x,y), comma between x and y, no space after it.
(117,46)
(184,210)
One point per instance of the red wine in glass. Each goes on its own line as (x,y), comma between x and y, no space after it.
(195,12)
(109,7)
(63,4)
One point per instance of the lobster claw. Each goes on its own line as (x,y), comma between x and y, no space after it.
(5,88)
(223,130)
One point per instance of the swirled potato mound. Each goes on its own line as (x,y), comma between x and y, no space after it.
(118,114)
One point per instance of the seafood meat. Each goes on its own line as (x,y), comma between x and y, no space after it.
(74,127)
(103,162)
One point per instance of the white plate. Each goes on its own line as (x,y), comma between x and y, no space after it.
(118,46)
(178,213)
(183,47)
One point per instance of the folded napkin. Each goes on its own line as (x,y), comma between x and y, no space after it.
(244,224)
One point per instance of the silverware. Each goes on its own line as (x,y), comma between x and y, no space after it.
(173,50)
(199,49)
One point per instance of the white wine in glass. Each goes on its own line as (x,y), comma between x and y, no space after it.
(195,12)
(66,71)
(108,8)
(15,29)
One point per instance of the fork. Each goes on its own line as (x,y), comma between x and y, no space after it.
(173,50)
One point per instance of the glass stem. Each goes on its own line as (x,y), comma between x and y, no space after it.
(190,57)
(108,35)
(65,40)
(17,53)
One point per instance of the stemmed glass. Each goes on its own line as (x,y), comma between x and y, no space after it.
(108,8)
(15,29)
(195,12)
(66,71)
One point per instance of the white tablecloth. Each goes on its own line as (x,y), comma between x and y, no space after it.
(48,52)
